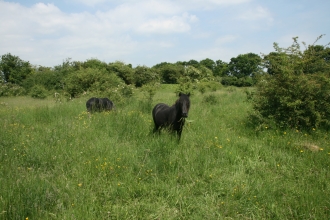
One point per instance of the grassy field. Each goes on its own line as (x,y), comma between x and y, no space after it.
(57,163)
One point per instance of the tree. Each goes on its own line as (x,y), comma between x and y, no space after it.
(171,73)
(208,63)
(94,64)
(221,68)
(122,70)
(13,69)
(274,61)
(49,78)
(192,73)
(245,65)
(144,75)
(193,63)
(68,67)
(317,59)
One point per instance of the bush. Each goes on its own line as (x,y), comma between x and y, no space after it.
(38,92)
(149,90)
(9,89)
(211,99)
(92,80)
(202,88)
(126,90)
(239,82)
(119,94)
(122,70)
(300,101)
(144,75)
(49,79)
(185,86)
(212,86)
(291,98)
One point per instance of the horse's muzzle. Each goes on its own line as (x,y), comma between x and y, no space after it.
(184,115)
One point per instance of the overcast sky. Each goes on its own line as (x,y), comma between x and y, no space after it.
(148,32)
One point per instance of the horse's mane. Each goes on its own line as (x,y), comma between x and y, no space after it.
(177,104)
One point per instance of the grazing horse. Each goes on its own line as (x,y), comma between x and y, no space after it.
(99,104)
(172,117)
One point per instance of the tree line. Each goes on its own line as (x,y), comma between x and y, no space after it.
(292,84)
(75,77)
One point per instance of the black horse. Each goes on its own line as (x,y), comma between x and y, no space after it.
(99,104)
(172,117)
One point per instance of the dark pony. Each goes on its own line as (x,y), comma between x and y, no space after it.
(99,104)
(172,117)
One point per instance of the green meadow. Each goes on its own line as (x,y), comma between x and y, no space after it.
(56,162)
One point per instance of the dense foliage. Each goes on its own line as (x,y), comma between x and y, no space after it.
(90,79)
(13,69)
(9,89)
(296,93)
(73,78)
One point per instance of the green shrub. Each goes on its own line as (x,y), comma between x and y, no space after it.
(122,70)
(211,99)
(126,90)
(144,75)
(291,98)
(231,89)
(202,88)
(149,90)
(214,85)
(239,82)
(119,94)
(38,92)
(50,79)
(185,87)
(9,89)
(205,86)
(93,80)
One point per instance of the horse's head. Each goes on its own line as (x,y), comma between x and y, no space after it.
(184,104)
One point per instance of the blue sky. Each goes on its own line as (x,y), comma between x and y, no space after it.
(148,32)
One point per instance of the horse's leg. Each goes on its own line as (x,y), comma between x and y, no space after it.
(179,133)
(156,128)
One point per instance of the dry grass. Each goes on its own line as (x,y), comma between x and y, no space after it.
(310,146)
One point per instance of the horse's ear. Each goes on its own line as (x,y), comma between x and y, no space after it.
(188,94)
(180,93)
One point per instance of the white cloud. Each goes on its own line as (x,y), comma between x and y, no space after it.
(164,5)
(255,18)
(226,39)
(224,2)
(257,13)
(46,34)
(211,4)
(174,24)
(44,29)
(90,2)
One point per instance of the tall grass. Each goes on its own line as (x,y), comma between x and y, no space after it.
(58,163)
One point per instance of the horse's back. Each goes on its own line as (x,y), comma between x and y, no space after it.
(159,113)
(107,104)
(159,107)
(91,103)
